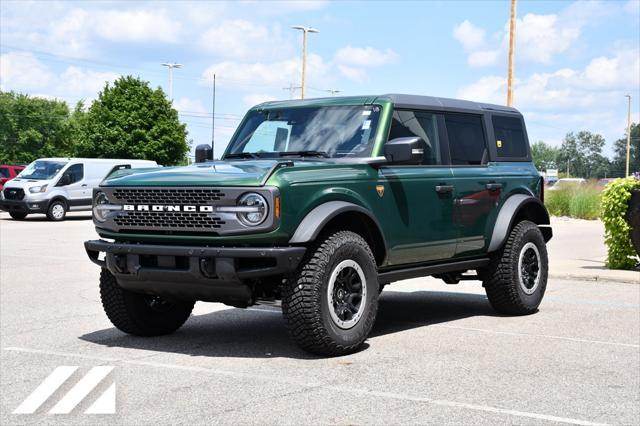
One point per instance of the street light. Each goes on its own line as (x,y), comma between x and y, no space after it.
(171,66)
(304,30)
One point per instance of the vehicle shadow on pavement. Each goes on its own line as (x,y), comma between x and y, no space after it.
(260,332)
(44,218)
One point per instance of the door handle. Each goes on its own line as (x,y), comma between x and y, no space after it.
(493,186)
(444,189)
(84,185)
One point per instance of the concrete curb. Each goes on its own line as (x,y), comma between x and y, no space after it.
(589,277)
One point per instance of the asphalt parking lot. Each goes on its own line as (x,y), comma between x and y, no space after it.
(438,353)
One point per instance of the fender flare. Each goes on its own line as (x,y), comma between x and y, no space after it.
(509,210)
(310,227)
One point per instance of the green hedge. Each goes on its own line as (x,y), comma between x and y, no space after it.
(615,202)
(582,202)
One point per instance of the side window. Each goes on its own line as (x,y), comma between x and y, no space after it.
(407,123)
(509,133)
(467,144)
(75,172)
(4,172)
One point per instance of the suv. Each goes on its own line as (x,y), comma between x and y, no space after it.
(8,172)
(318,204)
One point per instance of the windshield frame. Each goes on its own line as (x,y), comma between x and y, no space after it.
(376,139)
(63,165)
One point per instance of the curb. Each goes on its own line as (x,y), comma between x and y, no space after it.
(605,278)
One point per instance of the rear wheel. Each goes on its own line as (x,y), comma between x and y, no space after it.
(331,304)
(141,314)
(17,215)
(57,211)
(516,279)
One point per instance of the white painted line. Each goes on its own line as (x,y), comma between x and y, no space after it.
(81,389)
(506,333)
(106,403)
(51,384)
(279,379)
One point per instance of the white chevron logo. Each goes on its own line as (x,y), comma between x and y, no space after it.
(105,404)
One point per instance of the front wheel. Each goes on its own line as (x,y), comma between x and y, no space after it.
(140,314)
(331,304)
(57,211)
(516,279)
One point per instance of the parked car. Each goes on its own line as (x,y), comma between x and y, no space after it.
(7,173)
(318,204)
(54,186)
(566,183)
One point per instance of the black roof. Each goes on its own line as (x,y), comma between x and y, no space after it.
(432,102)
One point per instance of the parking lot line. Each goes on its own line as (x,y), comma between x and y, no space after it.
(506,333)
(365,392)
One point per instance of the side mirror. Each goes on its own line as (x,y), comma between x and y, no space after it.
(405,150)
(64,180)
(203,153)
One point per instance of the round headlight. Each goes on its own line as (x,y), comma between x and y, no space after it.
(256,209)
(99,213)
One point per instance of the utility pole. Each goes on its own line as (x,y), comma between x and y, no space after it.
(334,91)
(512,42)
(628,134)
(171,66)
(292,89)
(304,30)
(213,117)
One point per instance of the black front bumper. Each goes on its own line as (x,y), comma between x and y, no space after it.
(214,274)
(23,206)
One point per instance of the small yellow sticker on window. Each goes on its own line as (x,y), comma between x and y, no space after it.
(499,143)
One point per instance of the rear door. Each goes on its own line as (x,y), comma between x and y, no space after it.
(419,213)
(477,192)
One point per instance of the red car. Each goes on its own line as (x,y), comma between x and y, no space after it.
(7,173)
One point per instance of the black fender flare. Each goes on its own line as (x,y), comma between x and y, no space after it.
(312,224)
(512,208)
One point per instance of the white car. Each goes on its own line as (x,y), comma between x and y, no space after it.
(54,186)
(566,183)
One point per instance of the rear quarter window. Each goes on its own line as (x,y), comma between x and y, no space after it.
(510,139)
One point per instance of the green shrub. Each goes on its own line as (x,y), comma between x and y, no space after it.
(582,202)
(615,202)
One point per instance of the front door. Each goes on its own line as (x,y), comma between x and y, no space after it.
(419,215)
(73,181)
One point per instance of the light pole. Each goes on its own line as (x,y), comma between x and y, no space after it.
(171,66)
(304,30)
(628,134)
(512,42)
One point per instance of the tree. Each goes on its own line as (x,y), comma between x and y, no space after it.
(32,128)
(618,165)
(131,120)
(544,156)
(582,154)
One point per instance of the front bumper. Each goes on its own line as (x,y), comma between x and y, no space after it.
(213,274)
(23,206)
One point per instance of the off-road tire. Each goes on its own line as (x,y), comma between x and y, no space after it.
(131,312)
(17,215)
(51,211)
(305,304)
(502,276)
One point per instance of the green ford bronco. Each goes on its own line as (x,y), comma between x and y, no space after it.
(316,205)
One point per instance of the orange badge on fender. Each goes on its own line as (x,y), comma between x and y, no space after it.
(380,190)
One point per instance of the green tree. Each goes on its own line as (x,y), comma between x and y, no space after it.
(32,128)
(544,156)
(582,153)
(618,165)
(131,120)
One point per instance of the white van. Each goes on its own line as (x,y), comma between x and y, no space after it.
(54,186)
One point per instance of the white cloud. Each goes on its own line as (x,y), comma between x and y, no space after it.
(356,74)
(483,58)
(257,98)
(76,81)
(239,39)
(189,105)
(470,36)
(540,37)
(136,25)
(23,71)
(365,56)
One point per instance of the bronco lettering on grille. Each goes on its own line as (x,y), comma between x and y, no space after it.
(167,208)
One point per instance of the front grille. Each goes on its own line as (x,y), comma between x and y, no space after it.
(13,194)
(198,196)
(179,221)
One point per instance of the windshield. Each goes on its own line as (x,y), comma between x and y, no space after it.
(42,169)
(4,172)
(342,131)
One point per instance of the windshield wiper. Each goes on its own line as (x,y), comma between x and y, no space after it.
(242,155)
(304,154)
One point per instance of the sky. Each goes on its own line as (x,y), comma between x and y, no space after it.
(574,63)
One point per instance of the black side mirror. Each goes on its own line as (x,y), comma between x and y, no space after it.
(408,150)
(204,152)
(64,180)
